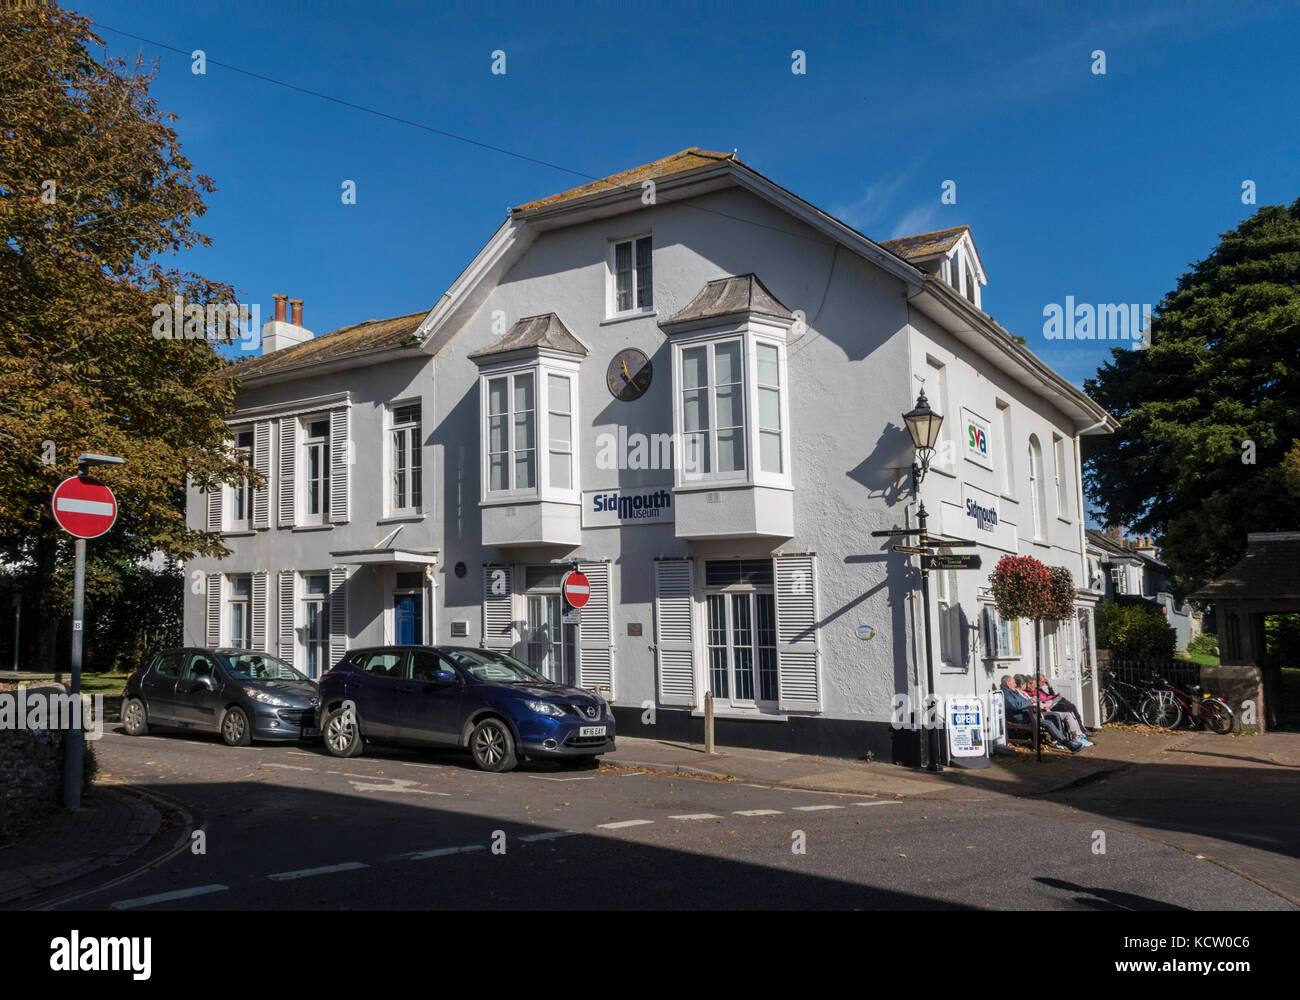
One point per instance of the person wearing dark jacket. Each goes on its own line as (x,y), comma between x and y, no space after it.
(1021,710)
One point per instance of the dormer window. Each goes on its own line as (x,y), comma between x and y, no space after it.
(631,277)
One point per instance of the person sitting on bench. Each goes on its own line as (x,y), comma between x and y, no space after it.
(1060,703)
(1020,711)
(1071,723)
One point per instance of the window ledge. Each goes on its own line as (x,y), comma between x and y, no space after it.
(1009,497)
(312,527)
(735,713)
(624,317)
(1041,543)
(238,533)
(730,484)
(403,518)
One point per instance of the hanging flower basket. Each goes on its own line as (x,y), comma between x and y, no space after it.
(1022,587)
(1061,598)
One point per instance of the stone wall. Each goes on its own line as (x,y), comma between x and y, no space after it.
(31,764)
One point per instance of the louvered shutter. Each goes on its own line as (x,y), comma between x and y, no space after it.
(214,610)
(259,611)
(674,642)
(262,463)
(796,633)
(498,621)
(285,610)
(288,464)
(214,508)
(338,614)
(596,633)
(339,467)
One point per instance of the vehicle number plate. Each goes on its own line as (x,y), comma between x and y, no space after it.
(592,731)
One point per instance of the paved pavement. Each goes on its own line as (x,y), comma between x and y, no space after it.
(287,827)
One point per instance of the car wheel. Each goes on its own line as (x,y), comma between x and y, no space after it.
(342,733)
(235,730)
(492,746)
(134,718)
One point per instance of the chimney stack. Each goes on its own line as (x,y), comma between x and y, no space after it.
(1115,532)
(280,332)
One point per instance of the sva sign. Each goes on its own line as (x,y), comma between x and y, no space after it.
(979,447)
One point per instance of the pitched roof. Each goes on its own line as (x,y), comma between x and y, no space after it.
(356,339)
(925,244)
(1270,571)
(723,297)
(687,159)
(532,332)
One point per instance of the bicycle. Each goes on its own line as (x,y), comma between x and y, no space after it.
(1121,700)
(1168,707)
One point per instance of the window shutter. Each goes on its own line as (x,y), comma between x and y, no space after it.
(259,611)
(286,614)
(262,463)
(214,507)
(796,633)
(338,614)
(596,633)
(674,642)
(214,609)
(339,468)
(498,623)
(288,462)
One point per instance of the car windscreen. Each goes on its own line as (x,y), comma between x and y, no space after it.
(259,667)
(497,668)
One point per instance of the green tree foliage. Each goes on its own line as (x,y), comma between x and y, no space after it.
(1209,410)
(1135,632)
(94,194)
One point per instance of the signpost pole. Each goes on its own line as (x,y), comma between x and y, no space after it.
(933,734)
(74,751)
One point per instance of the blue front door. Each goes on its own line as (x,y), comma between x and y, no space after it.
(408,611)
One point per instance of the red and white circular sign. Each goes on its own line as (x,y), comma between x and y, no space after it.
(577,589)
(84,507)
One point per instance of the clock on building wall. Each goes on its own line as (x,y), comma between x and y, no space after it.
(629,375)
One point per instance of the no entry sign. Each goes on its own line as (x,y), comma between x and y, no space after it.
(577,589)
(83,507)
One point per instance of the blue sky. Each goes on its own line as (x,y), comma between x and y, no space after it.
(1100,187)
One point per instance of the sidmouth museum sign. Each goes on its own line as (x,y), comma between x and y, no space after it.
(612,508)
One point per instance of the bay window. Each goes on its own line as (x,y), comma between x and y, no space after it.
(528,432)
(732,411)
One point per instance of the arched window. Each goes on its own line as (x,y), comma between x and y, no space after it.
(1037,488)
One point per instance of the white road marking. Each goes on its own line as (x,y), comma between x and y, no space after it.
(543,777)
(434,767)
(758,812)
(301,753)
(809,809)
(442,852)
(881,802)
(696,816)
(165,897)
(398,785)
(552,835)
(625,823)
(347,866)
(289,767)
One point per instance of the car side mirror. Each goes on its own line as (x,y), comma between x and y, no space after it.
(444,677)
(207,681)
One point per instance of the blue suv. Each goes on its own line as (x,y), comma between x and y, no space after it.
(455,696)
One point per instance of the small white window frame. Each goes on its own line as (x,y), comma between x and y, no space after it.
(391,427)
(303,444)
(611,278)
(228,501)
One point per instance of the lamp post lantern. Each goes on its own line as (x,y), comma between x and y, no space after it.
(923,425)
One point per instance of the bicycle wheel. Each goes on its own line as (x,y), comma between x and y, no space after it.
(1161,709)
(1216,716)
(1109,706)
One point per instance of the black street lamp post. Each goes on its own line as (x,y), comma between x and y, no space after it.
(923,425)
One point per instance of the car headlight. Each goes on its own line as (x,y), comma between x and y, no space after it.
(265,699)
(544,708)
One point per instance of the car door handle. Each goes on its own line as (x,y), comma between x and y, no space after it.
(404,689)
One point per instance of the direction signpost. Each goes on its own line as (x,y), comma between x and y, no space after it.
(84,508)
(971,561)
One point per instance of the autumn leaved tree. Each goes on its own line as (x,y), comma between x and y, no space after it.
(95,194)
